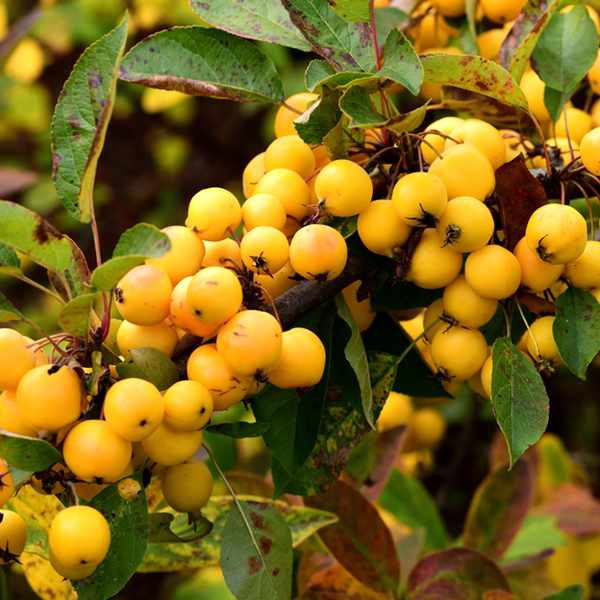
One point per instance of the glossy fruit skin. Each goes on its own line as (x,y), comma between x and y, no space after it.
(251,343)
(263,209)
(493,272)
(302,361)
(188,406)
(161,336)
(361,310)
(444,125)
(13,534)
(133,408)
(207,366)
(584,272)
(220,254)
(7,484)
(214,213)
(142,295)
(318,252)
(537,275)
(466,225)
(10,417)
(264,250)
(457,167)
(94,453)
(458,353)
(381,229)
(433,312)
(79,536)
(432,266)
(544,349)
(465,306)
(502,11)
(397,410)
(16,358)
(284,119)
(170,448)
(75,574)
(533,88)
(420,198)
(279,283)
(579,123)
(49,400)
(590,151)
(290,152)
(252,174)
(482,135)
(187,486)
(214,295)
(290,188)
(557,232)
(343,188)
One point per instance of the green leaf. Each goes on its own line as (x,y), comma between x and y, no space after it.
(10,263)
(346,46)
(576,329)
(317,72)
(150,364)
(239,430)
(27,454)
(473,73)
(8,312)
(74,317)
(106,277)
(573,592)
(519,399)
(353,11)
(335,142)
(254,19)
(359,540)
(406,498)
(555,102)
(537,534)
(386,19)
(402,63)
(80,121)
(382,369)
(162,525)
(320,118)
(499,508)
(128,521)
(356,356)
(562,59)
(347,226)
(203,62)
(518,45)
(256,553)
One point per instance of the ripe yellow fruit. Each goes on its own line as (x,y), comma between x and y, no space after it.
(253,173)
(222,254)
(361,311)
(444,126)
(161,336)
(482,135)
(284,119)
(420,198)
(502,11)
(15,357)
(13,535)
(188,406)
(458,353)
(432,313)
(10,417)
(584,272)
(426,428)
(381,229)
(187,486)
(263,209)
(170,448)
(541,344)
(593,75)
(465,306)
(290,152)
(397,410)
(578,124)
(264,250)
(537,275)
(533,88)
(493,272)
(449,8)
(292,191)
(7,484)
(590,150)
(214,213)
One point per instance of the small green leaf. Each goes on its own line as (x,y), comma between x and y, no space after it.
(143,239)
(555,102)
(346,46)
(519,399)
(80,121)
(335,142)
(576,329)
(239,430)
(10,263)
(27,454)
(162,525)
(106,277)
(74,317)
(317,72)
(203,62)
(537,534)
(256,553)
(128,521)
(573,592)
(320,118)
(353,11)
(254,19)
(402,63)
(8,312)
(562,59)
(347,226)
(386,19)
(473,73)
(150,364)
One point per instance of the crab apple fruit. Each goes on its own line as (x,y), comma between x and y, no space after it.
(95,453)
(302,361)
(79,536)
(187,486)
(214,213)
(433,266)
(435,135)
(465,306)
(214,295)
(590,151)
(343,188)
(435,311)
(466,225)
(7,484)
(420,199)
(133,408)
(584,272)
(265,250)
(277,284)
(493,272)
(188,406)
(161,336)
(449,8)
(502,11)
(537,275)
(222,254)
(208,367)
(251,343)
(252,174)
(10,417)
(541,345)
(13,536)
(426,428)
(318,252)
(167,447)
(381,229)
(482,135)
(49,397)
(293,192)
(290,152)
(360,310)
(186,254)
(397,410)
(75,573)
(465,171)
(534,88)
(578,123)
(263,209)
(557,232)
(284,119)
(182,318)
(142,295)
(16,358)
(458,353)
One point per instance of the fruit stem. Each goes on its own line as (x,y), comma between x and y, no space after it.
(414,342)
(374,32)
(537,348)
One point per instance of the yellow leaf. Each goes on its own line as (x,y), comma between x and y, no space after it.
(44,580)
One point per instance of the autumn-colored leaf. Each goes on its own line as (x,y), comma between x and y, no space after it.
(336,580)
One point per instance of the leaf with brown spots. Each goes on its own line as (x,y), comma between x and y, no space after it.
(518,194)
(256,553)
(360,540)
(203,62)
(473,73)
(80,121)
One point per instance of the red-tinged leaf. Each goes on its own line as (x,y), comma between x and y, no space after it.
(499,453)
(499,508)
(360,541)
(531,581)
(473,73)
(477,106)
(537,305)
(337,583)
(518,195)
(455,574)
(576,510)
(524,34)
